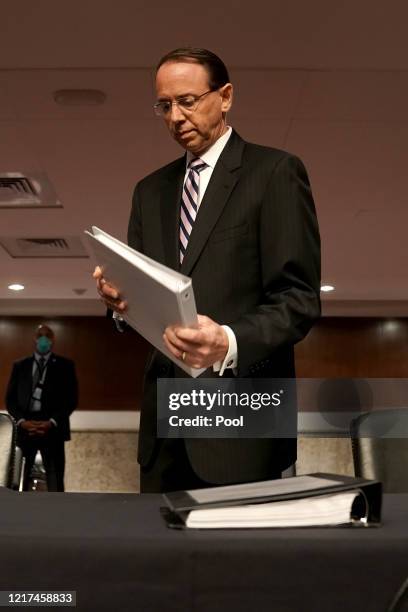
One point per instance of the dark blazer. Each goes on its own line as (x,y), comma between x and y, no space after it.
(59,396)
(254,258)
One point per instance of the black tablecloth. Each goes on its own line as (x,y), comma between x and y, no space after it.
(117,553)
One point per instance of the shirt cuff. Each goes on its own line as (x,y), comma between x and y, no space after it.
(20,421)
(54,422)
(119,321)
(231,358)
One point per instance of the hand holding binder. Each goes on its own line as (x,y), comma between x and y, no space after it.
(156,295)
(203,346)
(109,293)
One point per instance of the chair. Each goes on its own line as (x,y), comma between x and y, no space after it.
(400,599)
(18,470)
(380,447)
(7,449)
(37,479)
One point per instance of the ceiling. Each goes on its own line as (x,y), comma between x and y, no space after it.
(327,81)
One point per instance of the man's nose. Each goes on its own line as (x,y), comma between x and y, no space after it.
(175,113)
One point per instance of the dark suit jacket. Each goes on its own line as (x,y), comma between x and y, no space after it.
(254,258)
(59,396)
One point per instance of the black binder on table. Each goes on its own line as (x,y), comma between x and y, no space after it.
(317,499)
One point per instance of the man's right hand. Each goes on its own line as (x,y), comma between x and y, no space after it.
(108,293)
(30,427)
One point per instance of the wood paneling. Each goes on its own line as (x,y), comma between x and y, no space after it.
(343,347)
(110,365)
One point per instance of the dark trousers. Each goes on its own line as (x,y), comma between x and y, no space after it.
(170,470)
(52,452)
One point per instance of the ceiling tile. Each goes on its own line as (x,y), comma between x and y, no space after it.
(262,94)
(354,96)
(354,165)
(129,93)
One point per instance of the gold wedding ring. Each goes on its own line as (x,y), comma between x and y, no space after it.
(183,356)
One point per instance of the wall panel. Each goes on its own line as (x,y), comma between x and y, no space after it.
(110,365)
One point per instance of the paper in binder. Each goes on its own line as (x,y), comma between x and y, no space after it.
(156,295)
(313,500)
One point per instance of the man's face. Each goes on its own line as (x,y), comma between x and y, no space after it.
(194,130)
(44,332)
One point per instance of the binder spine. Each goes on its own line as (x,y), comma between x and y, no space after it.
(187,307)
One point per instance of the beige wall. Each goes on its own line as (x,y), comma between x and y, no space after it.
(102,461)
(106,461)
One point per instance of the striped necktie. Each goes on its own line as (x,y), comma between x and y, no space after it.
(189,202)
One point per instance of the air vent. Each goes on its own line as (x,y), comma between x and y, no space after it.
(27,190)
(61,247)
(30,244)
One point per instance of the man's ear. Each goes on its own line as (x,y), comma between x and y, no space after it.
(227,94)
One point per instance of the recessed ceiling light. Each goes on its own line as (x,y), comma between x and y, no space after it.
(16,287)
(327,288)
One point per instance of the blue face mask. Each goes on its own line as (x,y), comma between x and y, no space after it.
(43,344)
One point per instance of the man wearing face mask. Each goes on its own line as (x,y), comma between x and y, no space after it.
(41,394)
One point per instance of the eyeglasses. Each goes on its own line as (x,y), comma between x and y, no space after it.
(186,104)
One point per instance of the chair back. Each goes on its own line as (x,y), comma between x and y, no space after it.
(380,448)
(7,449)
(17,479)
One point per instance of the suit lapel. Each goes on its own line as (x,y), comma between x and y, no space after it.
(223,180)
(170,199)
(51,363)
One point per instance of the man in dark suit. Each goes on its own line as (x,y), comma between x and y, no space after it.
(239,219)
(41,394)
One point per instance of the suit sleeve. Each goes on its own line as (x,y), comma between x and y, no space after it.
(12,404)
(135,223)
(68,393)
(290,268)
(72,389)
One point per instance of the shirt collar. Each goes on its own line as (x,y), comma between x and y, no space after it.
(38,356)
(210,157)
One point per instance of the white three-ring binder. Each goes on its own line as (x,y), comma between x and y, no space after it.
(156,295)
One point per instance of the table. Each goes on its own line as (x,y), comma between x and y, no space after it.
(117,553)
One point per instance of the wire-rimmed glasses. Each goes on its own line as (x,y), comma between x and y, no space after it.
(188,104)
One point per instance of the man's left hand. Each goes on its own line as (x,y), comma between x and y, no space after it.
(43,427)
(201,347)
